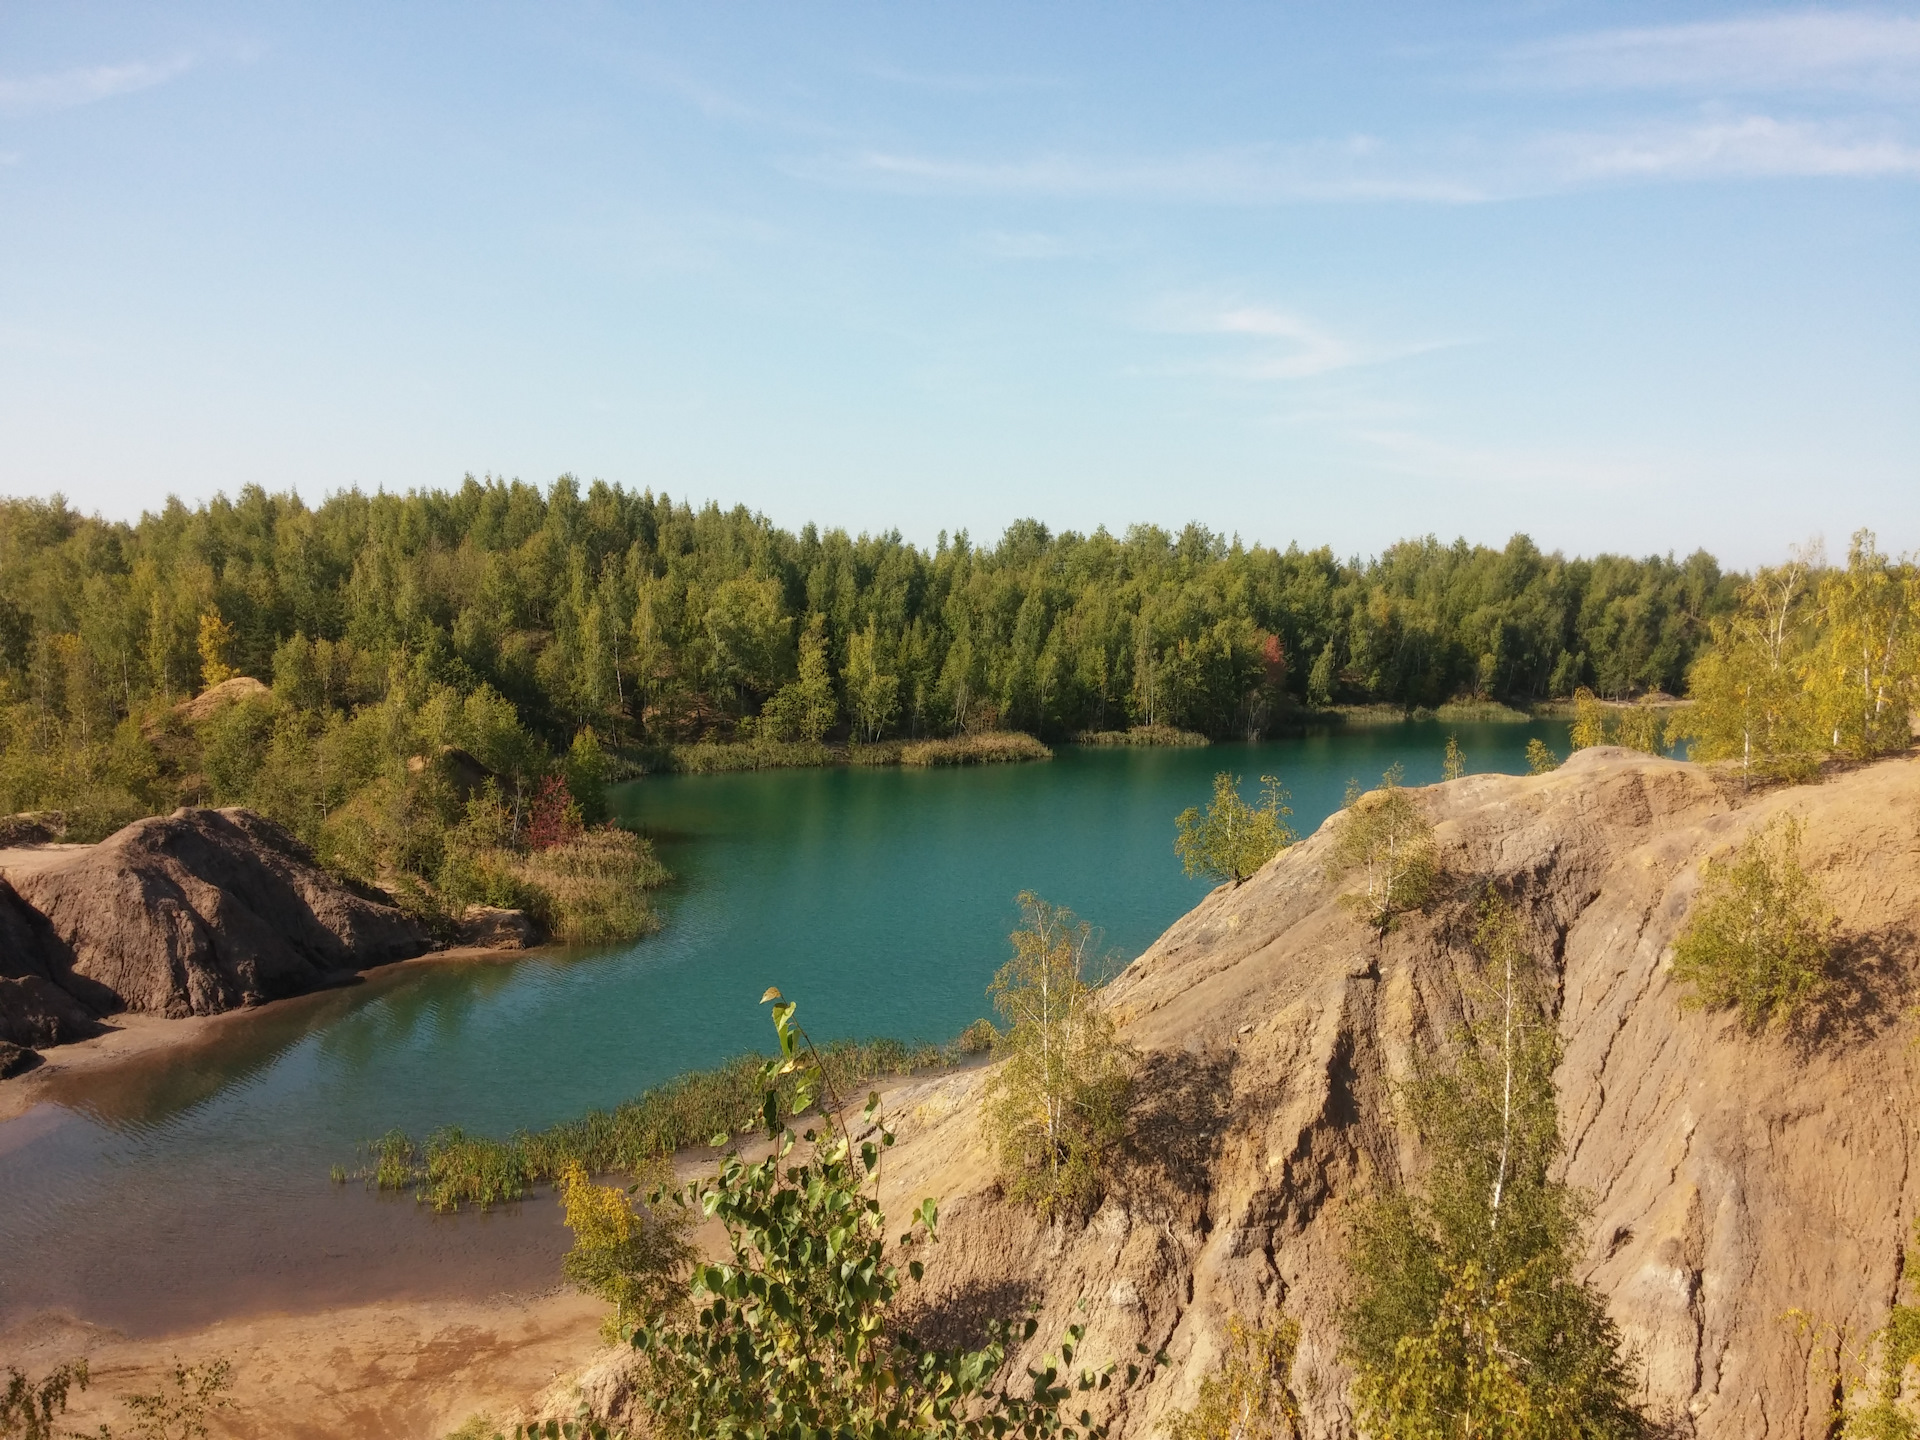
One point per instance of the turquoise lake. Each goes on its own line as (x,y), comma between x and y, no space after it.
(879,899)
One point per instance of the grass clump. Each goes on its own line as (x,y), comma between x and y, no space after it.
(987,748)
(1167,735)
(454,1171)
(1759,938)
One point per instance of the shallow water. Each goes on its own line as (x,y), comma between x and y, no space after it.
(193,1184)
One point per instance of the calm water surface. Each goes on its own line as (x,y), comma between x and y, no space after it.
(195,1184)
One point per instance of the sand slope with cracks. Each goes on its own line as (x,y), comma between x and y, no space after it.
(1732,1178)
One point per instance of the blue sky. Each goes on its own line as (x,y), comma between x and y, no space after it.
(1637,278)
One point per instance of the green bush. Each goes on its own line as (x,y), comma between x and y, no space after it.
(1758,939)
(1385,841)
(796,1334)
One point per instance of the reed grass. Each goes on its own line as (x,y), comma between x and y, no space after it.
(713,757)
(1167,735)
(454,1170)
(988,748)
(592,889)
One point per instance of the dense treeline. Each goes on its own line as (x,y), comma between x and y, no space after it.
(650,620)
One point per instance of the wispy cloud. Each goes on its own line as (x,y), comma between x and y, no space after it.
(1814,49)
(1426,457)
(1274,344)
(1752,145)
(1254,175)
(64,89)
(1023,245)
(961,84)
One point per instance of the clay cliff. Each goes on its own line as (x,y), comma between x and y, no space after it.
(191,913)
(1732,1177)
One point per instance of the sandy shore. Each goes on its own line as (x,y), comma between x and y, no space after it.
(396,1371)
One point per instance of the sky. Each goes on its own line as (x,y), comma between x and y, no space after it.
(1637,278)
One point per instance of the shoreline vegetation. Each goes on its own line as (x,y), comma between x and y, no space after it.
(713,757)
(451,1170)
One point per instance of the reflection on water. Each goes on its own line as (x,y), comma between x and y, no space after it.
(193,1183)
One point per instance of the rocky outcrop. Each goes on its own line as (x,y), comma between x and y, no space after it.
(1732,1177)
(198,912)
(41,1001)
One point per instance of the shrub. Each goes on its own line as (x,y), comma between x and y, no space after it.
(1386,840)
(626,1253)
(1233,839)
(795,1336)
(178,1410)
(1057,1107)
(1466,1316)
(1642,728)
(1453,764)
(1541,760)
(1758,938)
(1250,1396)
(27,1407)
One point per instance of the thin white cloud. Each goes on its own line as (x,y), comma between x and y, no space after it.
(1746,146)
(65,89)
(1274,344)
(961,84)
(1250,176)
(1022,245)
(1813,49)
(1425,457)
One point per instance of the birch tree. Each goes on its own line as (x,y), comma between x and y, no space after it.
(1466,1317)
(1058,1102)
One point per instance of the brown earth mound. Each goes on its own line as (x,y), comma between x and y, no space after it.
(202,911)
(1732,1177)
(41,1001)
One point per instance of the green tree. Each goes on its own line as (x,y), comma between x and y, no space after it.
(1758,938)
(873,695)
(1865,670)
(1250,1395)
(1057,1104)
(1454,763)
(1385,841)
(1643,728)
(1540,759)
(795,1334)
(1749,700)
(1466,1317)
(1233,839)
(805,706)
(1589,720)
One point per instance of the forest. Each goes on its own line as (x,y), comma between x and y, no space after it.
(412,676)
